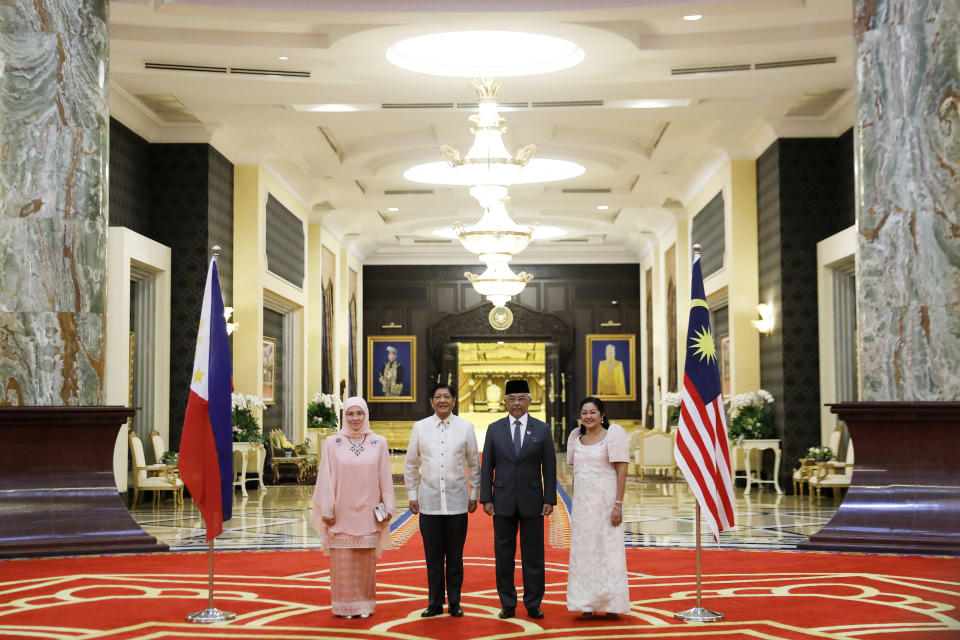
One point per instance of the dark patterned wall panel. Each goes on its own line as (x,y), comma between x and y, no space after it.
(220,218)
(580,294)
(129,180)
(805,194)
(720,321)
(180,195)
(273,328)
(285,242)
(708,232)
(179,188)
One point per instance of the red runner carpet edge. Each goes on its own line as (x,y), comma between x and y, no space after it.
(285,594)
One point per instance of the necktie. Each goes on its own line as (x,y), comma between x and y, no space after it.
(516,436)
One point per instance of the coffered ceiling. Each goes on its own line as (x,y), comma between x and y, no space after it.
(747,72)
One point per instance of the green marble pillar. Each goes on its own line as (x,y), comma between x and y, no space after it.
(53,200)
(907,136)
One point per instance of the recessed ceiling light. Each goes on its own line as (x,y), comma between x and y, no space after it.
(329,108)
(693,17)
(648,103)
(282,58)
(478,54)
(602,207)
(392,209)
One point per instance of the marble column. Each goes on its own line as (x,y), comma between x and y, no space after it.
(53,198)
(907,136)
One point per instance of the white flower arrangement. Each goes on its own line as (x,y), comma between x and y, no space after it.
(246,401)
(323,411)
(672,399)
(758,398)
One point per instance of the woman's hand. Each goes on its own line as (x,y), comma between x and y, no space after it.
(616,516)
(332,520)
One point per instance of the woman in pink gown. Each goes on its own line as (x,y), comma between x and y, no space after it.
(597,577)
(354,477)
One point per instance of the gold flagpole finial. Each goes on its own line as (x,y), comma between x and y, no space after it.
(696,249)
(216,250)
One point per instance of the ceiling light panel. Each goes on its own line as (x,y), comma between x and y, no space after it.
(476,54)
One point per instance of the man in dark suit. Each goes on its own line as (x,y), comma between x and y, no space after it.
(518,487)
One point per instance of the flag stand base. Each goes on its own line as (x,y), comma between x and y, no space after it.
(209,616)
(698,614)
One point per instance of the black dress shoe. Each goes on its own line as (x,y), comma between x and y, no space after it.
(429,612)
(535,613)
(455,611)
(507,612)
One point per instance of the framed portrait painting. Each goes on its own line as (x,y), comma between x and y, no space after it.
(269,370)
(611,366)
(391,368)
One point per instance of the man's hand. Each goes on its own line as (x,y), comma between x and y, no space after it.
(414,506)
(547,509)
(332,520)
(471,506)
(488,508)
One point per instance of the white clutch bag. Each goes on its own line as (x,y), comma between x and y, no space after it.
(380,511)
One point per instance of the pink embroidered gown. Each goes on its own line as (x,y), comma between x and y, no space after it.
(597,579)
(352,479)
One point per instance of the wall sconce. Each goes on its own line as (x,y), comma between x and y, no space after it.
(765,323)
(231,326)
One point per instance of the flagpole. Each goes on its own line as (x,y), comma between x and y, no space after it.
(211,614)
(698,613)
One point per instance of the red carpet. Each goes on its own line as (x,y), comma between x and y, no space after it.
(285,594)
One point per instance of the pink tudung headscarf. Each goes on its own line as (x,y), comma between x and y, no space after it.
(364,429)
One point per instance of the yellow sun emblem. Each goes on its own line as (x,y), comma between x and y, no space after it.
(703,345)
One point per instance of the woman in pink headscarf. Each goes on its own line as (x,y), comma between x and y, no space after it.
(354,477)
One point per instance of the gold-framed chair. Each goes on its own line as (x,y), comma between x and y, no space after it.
(805,466)
(159,448)
(167,478)
(832,475)
(654,451)
(280,462)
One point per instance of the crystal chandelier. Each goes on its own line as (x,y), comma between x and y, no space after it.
(488,169)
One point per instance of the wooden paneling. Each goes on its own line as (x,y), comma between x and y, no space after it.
(580,295)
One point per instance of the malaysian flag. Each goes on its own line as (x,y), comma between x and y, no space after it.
(701,451)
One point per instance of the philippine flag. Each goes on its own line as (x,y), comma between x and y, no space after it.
(206,447)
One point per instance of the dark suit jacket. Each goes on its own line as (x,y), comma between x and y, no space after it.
(518,485)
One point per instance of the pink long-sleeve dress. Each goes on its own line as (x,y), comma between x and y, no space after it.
(597,578)
(354,476)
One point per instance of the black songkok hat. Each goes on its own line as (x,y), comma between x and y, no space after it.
(517,386)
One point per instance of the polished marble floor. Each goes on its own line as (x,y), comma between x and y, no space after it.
(658,513)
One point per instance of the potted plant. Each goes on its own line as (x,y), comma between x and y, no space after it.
(245,425)
(323,411)
(750,416)
(820,454)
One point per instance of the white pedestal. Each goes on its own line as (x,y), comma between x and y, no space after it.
(748,445)
(252,457)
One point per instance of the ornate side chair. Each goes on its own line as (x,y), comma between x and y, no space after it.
(280,462)
(168,479)
(834,475)
(805,467)
(654,451)
(159,448)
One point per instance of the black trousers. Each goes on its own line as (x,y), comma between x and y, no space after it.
(531,555)
(443,540)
